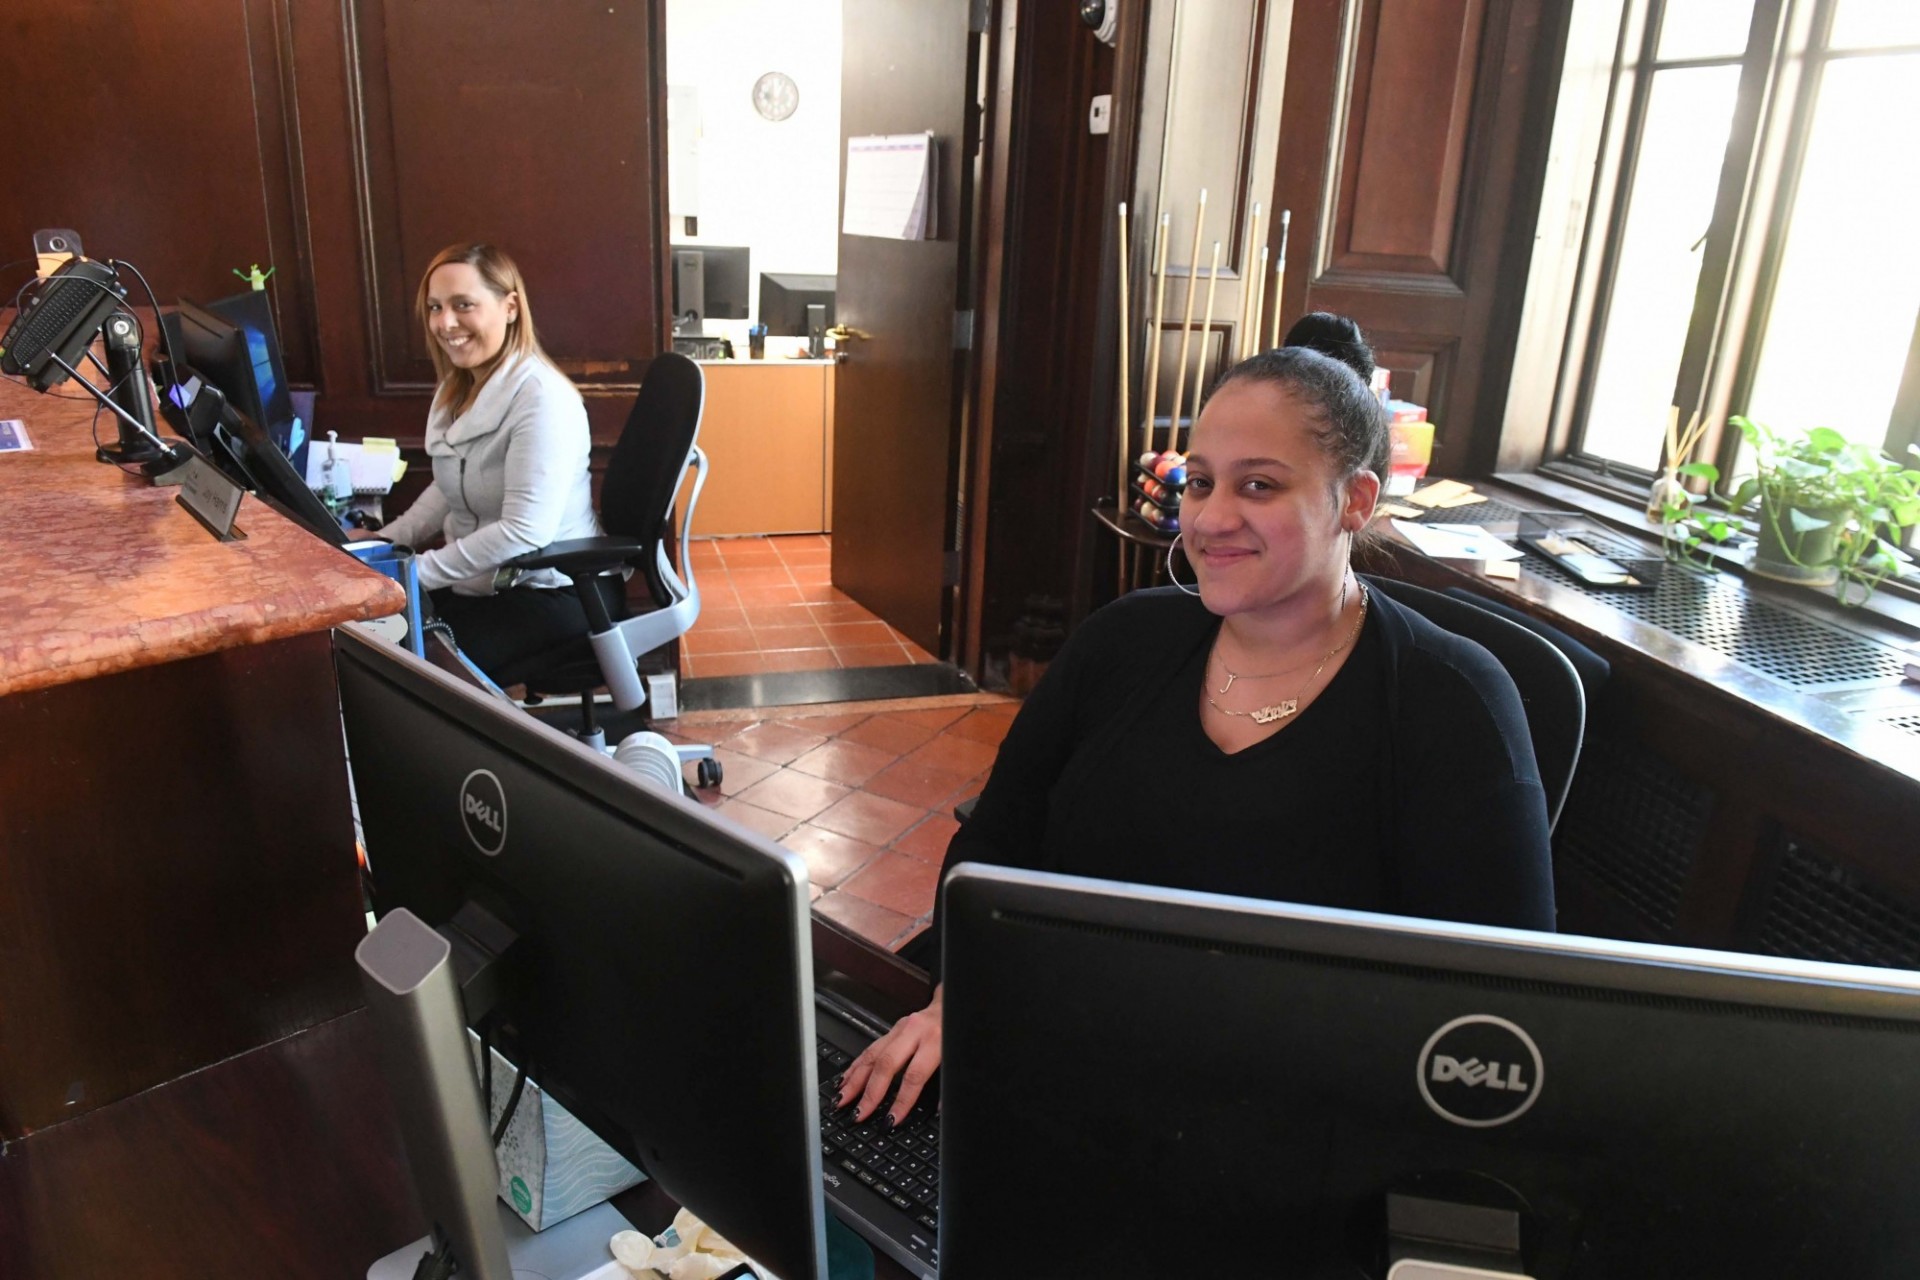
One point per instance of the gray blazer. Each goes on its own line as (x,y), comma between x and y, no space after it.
(509,476)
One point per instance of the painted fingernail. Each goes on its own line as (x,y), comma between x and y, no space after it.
(893,1121)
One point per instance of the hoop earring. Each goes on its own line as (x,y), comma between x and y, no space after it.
(1346,572)
(1193,590)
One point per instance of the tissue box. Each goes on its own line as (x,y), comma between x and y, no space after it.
(551,1165)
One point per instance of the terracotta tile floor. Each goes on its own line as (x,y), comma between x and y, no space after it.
(769,604)
(864,792)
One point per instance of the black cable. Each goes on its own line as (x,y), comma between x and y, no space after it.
(513,1103)
(166,338)
(439,1264)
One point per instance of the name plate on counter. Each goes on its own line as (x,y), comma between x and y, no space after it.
(210,498)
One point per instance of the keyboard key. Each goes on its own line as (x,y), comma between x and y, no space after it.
(885,1189)
(849,1166)
(865,1176)
(901,1202)
(929,1220)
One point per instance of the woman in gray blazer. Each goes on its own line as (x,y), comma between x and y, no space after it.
(508,438)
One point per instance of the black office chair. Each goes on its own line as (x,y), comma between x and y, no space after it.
(657,445)
(1549,686)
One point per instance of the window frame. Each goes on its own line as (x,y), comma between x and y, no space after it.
(1782,68)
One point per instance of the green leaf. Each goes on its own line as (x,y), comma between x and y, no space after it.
(1719,530)
(1749,490)
(1705,470)
(1826,440)
(1907,513)
(1804,523)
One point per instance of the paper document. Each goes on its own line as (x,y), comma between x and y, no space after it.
(1440,493)
(375,463)
(892,187)
(13,436)
(1455,541)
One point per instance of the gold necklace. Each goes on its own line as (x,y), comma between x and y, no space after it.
(1281,710)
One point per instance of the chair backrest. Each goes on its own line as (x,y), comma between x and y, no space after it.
(636,497)
(1549,686)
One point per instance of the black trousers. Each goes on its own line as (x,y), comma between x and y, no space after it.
(500,631)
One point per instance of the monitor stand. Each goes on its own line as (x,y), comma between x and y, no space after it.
(419,1019)
(570,1250)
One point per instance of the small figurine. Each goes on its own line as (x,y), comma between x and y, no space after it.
(254,276)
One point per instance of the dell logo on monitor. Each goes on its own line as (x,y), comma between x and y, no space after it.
(483,810)
(1480,1071)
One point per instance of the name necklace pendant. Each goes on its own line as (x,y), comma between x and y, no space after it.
(1281,710)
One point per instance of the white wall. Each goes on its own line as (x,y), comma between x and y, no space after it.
(774,187)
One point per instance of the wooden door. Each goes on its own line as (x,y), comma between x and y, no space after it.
(907,67)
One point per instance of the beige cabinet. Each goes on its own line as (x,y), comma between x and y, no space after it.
(767,434)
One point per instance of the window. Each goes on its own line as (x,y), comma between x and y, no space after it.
(1749,242)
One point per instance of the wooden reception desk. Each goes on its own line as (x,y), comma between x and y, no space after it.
(177,874)
(768,434)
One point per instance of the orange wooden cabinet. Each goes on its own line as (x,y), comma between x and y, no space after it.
(767,436)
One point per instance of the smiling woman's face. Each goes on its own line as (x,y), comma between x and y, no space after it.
(468,319)
(1263,516)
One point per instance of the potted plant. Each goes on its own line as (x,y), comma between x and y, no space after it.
(1831,510)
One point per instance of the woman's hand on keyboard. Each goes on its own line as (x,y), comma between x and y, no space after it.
(910,1052)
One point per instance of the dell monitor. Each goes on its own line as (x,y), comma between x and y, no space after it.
(660,984)
(252,314)
(784,298)
(1204,1085)
(224,354)
(710,282)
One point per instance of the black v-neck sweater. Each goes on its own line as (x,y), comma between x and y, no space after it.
(1408,786)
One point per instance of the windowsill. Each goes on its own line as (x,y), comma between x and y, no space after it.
(1893,604)
(1738,663)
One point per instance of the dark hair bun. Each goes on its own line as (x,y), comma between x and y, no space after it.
(1335,336)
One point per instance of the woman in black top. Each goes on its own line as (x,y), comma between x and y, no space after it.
(1283,732)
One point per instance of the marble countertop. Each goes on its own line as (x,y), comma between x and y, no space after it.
(103,572)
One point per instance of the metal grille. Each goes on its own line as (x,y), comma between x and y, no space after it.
(1819,910)
(1634,827)
(1719,614)
(1910,721)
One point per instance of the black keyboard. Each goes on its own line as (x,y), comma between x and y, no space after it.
(899,1166)
(80,288)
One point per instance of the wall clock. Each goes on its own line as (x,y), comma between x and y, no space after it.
(775,95)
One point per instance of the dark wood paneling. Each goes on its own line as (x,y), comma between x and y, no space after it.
(1051,335)
(523,125)
(179,877)
(344,144)
(158,132)
(1414,74)
(1434,191)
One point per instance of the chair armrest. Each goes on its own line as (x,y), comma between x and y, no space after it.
(582,555)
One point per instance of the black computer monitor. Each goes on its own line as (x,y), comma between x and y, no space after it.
(784,298)
(1202,1085)
(252,313)
(710,282)
(223,354)
(663,958)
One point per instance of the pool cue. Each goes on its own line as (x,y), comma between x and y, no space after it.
(1206,327)
(1245,341)
(1153,335)
(1186,325)
(1280,273)
(1126,422)
(1259,293)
